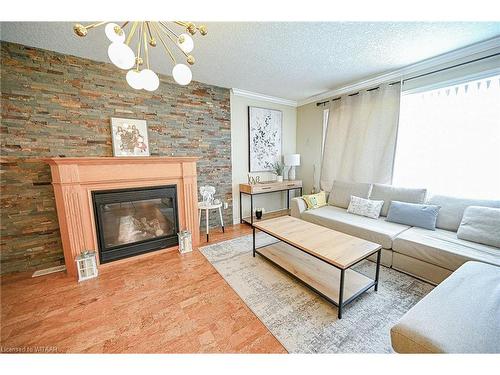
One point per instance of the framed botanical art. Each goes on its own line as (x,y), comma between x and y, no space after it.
(130,137)
(264,138)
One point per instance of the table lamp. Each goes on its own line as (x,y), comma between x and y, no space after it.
(292,161)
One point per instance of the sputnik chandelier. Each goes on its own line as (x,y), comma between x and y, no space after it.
(147,34)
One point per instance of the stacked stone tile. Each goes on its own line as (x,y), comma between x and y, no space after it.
(55,104)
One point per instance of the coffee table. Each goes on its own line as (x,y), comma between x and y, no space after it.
(319,257)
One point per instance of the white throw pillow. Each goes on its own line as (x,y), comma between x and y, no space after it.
(480,224)
(365,207)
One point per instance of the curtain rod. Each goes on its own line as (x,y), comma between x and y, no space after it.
(354,94)
(417,76)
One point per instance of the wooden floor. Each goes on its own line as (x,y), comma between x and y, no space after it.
(165,303)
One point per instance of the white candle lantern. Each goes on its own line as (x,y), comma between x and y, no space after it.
(185,241)
(86,264)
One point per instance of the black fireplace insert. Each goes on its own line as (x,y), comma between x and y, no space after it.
(135,221)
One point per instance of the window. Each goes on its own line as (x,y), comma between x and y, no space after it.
(449,140)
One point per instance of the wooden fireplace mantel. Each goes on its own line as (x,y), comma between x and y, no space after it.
(74,179)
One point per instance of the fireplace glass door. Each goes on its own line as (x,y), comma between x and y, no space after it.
(135,221)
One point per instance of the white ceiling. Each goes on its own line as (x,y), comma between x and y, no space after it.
(290,60)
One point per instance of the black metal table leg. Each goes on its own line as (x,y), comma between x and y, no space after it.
(377,271)
(253,248)
(241,215)
(251,209)
(288,199)
(341,293)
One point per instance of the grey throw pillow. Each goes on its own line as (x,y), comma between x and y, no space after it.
(480,224)
(416,215)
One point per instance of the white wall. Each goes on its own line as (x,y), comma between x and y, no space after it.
(239,152)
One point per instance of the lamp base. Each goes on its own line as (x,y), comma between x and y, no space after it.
(291,173)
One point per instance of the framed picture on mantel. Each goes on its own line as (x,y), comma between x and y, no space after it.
(130,137)
(264,138)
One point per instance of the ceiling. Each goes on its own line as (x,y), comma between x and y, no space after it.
(290,60)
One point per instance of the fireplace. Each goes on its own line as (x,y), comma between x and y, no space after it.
(135,221)
(76,180)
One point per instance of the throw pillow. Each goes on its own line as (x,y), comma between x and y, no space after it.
(416,215)
(480,224)
(315,200)
(365,207)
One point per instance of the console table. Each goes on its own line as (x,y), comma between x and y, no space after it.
(266,188)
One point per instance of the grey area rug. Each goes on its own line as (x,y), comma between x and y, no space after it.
(303,321)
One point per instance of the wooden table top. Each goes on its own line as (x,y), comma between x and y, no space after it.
(270,186)
(336,248)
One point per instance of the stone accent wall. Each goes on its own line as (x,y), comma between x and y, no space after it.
(55,104)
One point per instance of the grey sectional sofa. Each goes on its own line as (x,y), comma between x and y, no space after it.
(431,255)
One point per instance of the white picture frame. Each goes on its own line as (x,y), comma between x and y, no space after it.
(129,137)
(264,138)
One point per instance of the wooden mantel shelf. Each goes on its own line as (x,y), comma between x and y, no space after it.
(74,180)
(120,160)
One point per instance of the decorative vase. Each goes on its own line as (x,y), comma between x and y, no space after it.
(258,213)
(280,178)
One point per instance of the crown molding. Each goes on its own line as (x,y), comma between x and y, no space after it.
(489,45)
(265,98)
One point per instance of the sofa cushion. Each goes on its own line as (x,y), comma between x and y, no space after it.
(389,193)
(443,248)
(365,207)
(481,224)
(416,215)
(375,230)
(459,316)
(340,196)
(452,209)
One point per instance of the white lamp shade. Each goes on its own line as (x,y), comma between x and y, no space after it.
(182,74)
(134,79)
(149,80)
(110,32)
(121,55)
(187,45)
(292,160)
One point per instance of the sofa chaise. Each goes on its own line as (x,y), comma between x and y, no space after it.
(461,315)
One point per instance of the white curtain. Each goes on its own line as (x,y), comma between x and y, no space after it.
(361,137)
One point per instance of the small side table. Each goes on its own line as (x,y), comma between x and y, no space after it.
(207,208)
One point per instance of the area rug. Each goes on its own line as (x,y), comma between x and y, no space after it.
(303,321)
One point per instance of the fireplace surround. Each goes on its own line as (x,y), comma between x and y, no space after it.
(77,180)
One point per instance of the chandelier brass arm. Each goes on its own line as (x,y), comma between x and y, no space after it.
(167,50)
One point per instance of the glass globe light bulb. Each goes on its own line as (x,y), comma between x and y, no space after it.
(182,74)
(187,43)
(134,79)
(121,55)
(149,79)
(113,36)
